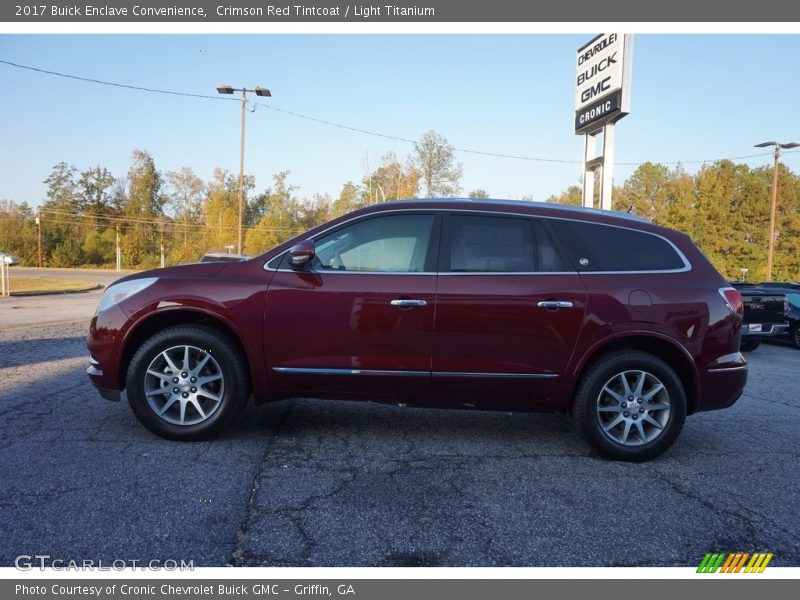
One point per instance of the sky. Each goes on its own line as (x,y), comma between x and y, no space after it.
(694,98)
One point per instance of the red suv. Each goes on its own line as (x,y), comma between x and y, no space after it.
(488,304)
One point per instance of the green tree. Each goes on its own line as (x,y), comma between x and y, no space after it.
(392,180)
(436,161)
(280,221)
(221,212)
(143,204)
(645,192)
(60,214)
(185,193)
(349,199)
(478,194)
(18,232)
(313,211)
(94,190)
(573,196)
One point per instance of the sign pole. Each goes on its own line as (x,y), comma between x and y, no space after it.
(602,97)
(588,173)
(607,174)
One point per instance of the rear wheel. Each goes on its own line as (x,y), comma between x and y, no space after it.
(796,336)
(187,383)
(630,405)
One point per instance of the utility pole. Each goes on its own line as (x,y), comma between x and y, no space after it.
(39,227)
(119,253)
(774,198)
(259,91)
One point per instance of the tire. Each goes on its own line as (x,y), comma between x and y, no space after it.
(603,397)
(749,344)
(796,336)
(198,401)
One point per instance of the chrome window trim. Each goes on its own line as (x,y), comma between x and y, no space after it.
(687,266)
(340,272)
(526,273)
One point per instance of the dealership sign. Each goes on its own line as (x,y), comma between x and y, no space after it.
(602,81)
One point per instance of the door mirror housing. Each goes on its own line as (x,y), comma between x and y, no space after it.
(301,254)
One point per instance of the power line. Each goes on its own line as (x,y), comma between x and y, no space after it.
(496,154)
(113,84)
(367,131)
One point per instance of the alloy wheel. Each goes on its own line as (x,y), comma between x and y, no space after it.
(184,385)
(633,408)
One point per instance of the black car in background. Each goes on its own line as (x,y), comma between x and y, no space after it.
(765,311)
(792,292)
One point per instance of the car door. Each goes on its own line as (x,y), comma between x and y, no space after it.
(509,309)
(359,318)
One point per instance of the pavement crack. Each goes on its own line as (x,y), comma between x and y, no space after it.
(237,558)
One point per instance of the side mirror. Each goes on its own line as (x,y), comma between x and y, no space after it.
(301,254)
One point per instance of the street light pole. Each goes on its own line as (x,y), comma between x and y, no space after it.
(259,91)
(241,172)
(774,198)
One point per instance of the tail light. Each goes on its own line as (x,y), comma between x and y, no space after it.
(733,299)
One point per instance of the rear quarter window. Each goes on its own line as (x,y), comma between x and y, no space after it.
(596,247)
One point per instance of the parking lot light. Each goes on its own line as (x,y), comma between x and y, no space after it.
(259,91)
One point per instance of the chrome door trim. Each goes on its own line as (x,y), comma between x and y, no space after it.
(466,374)
(374,372)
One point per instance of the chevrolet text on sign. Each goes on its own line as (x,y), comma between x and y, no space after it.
(602,81)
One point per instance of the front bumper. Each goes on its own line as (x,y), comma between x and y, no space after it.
(95,374)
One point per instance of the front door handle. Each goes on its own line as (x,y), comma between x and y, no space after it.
(408,303)
(554,304)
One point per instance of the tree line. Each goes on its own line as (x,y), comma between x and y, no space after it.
(85,212)
(724,207)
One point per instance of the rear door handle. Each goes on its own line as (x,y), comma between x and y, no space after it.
(408,303)
(554,304)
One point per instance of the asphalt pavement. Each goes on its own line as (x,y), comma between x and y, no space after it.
(308,482)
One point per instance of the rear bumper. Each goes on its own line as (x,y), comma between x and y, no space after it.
(722,383)
(765,329)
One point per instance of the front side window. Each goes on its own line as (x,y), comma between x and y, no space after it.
(389,244)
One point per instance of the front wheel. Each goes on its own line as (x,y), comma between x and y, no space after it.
(187,383)
(630,405)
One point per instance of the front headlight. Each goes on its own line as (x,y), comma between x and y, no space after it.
(117,292)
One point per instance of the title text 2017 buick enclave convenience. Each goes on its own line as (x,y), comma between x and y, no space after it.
(493,304)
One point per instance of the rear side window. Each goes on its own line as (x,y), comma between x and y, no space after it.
(595,247)
(489,244)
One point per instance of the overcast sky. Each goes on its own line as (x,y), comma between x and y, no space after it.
(694,97)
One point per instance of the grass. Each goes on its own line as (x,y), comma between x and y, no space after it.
(43,285)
